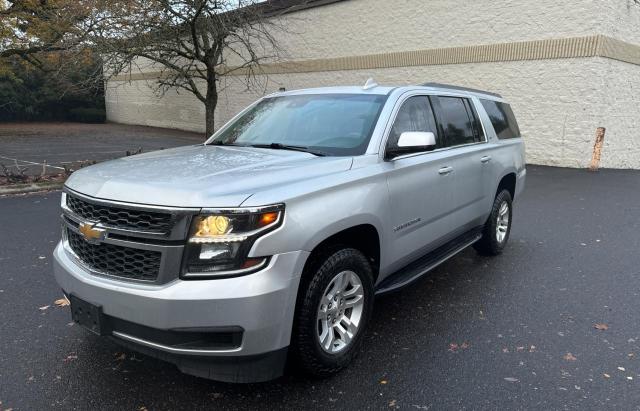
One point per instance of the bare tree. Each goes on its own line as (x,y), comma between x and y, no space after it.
(192,43)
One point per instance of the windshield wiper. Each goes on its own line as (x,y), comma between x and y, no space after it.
(220,143)
(280,146)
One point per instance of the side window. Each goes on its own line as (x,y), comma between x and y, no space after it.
(458,121)
(414,115)
(502,119)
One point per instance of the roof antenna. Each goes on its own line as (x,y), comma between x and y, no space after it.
(370,84)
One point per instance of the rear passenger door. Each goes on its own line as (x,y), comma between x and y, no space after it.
(465,140)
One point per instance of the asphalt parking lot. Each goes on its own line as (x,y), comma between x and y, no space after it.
(69,144)
(553,323)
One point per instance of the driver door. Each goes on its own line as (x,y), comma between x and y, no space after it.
(420,185)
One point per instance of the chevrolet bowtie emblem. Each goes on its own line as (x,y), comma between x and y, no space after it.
(91,233)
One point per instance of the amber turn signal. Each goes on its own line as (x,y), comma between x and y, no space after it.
(268,218)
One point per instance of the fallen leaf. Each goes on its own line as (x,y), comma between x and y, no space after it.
(606,375)
(62,302)
(601,326)
(44,307)
(569,357)
(511,379)
(383,382)
(70,358)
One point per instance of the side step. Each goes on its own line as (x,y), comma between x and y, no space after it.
(428,262)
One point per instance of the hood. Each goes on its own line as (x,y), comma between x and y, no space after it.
(200,176)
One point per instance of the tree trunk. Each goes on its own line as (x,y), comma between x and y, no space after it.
(211,103)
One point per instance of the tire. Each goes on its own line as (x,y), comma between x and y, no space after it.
(309,355)
(492,242)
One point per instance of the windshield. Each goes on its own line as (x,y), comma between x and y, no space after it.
(331,124)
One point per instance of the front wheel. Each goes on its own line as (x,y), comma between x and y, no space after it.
(334,308)
(496,230)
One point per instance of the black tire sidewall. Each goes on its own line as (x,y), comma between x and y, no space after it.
(310,355)
(489,244)
(503,196)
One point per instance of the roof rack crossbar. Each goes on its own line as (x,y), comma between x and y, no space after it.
(473,90)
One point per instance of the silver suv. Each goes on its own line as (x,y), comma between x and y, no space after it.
(269,242)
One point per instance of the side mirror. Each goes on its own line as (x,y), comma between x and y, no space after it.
(413,142)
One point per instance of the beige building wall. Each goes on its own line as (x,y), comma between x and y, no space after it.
(561,89)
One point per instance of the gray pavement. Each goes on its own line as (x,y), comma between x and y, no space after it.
(68,144)
(512,332)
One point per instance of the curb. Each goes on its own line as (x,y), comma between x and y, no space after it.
(30,188)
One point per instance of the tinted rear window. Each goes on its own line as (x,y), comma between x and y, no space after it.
(457,124)
(502,118)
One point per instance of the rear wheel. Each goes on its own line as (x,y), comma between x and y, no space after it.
(333,311)
(495,233)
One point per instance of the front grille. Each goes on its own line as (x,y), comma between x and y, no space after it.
(121,218)
(125,262)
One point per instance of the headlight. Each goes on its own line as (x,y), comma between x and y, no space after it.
(219,241)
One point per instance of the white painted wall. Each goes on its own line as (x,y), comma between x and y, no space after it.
(357,27)
(559,103)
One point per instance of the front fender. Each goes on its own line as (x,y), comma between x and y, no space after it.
(313,217)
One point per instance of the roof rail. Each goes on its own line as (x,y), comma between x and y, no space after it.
(473,90)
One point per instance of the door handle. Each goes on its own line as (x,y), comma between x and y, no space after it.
(445,170)
(485,159)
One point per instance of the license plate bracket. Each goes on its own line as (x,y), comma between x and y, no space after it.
(87,315)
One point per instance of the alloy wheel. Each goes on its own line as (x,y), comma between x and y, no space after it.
(502,225)
(340,312)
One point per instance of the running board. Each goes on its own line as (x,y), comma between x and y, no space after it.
(428,262)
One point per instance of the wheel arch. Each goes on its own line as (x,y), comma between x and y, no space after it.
(507,182)
(364,237)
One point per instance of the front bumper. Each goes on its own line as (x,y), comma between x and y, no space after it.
(262,305)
